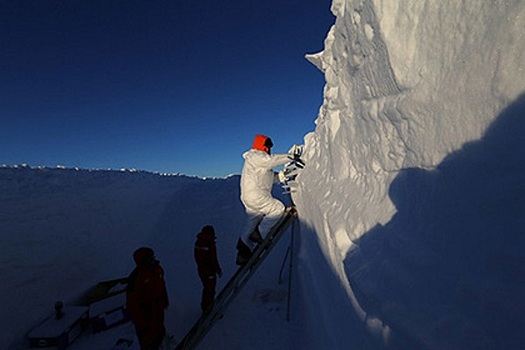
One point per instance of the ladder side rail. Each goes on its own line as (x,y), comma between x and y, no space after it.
(226,298)
(236,282)
(255,265)
(256,255)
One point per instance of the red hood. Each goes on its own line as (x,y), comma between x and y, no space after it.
(259,143)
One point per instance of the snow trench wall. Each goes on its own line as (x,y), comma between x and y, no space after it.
(407,84)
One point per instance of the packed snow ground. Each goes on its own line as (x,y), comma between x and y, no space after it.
(411,204)
(64,230)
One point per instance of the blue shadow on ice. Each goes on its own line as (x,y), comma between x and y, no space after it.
(448,271)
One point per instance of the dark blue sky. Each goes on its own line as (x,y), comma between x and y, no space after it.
(168,86)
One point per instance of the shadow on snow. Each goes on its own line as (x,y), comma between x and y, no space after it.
(449,269)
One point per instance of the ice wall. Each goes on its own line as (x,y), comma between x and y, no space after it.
(407,83)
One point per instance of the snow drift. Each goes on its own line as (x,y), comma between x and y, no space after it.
(415,170)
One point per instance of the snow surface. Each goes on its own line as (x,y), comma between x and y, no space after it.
(411,204)
(65,230)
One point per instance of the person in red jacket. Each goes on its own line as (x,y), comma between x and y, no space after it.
(147,299)
(205,253)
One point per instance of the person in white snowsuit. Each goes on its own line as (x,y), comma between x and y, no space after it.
(257,179)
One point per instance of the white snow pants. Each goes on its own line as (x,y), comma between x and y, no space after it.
(265,214)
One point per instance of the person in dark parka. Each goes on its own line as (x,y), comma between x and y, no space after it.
(147,299)
(205,253)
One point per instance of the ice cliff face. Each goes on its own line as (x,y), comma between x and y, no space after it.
(407,84)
